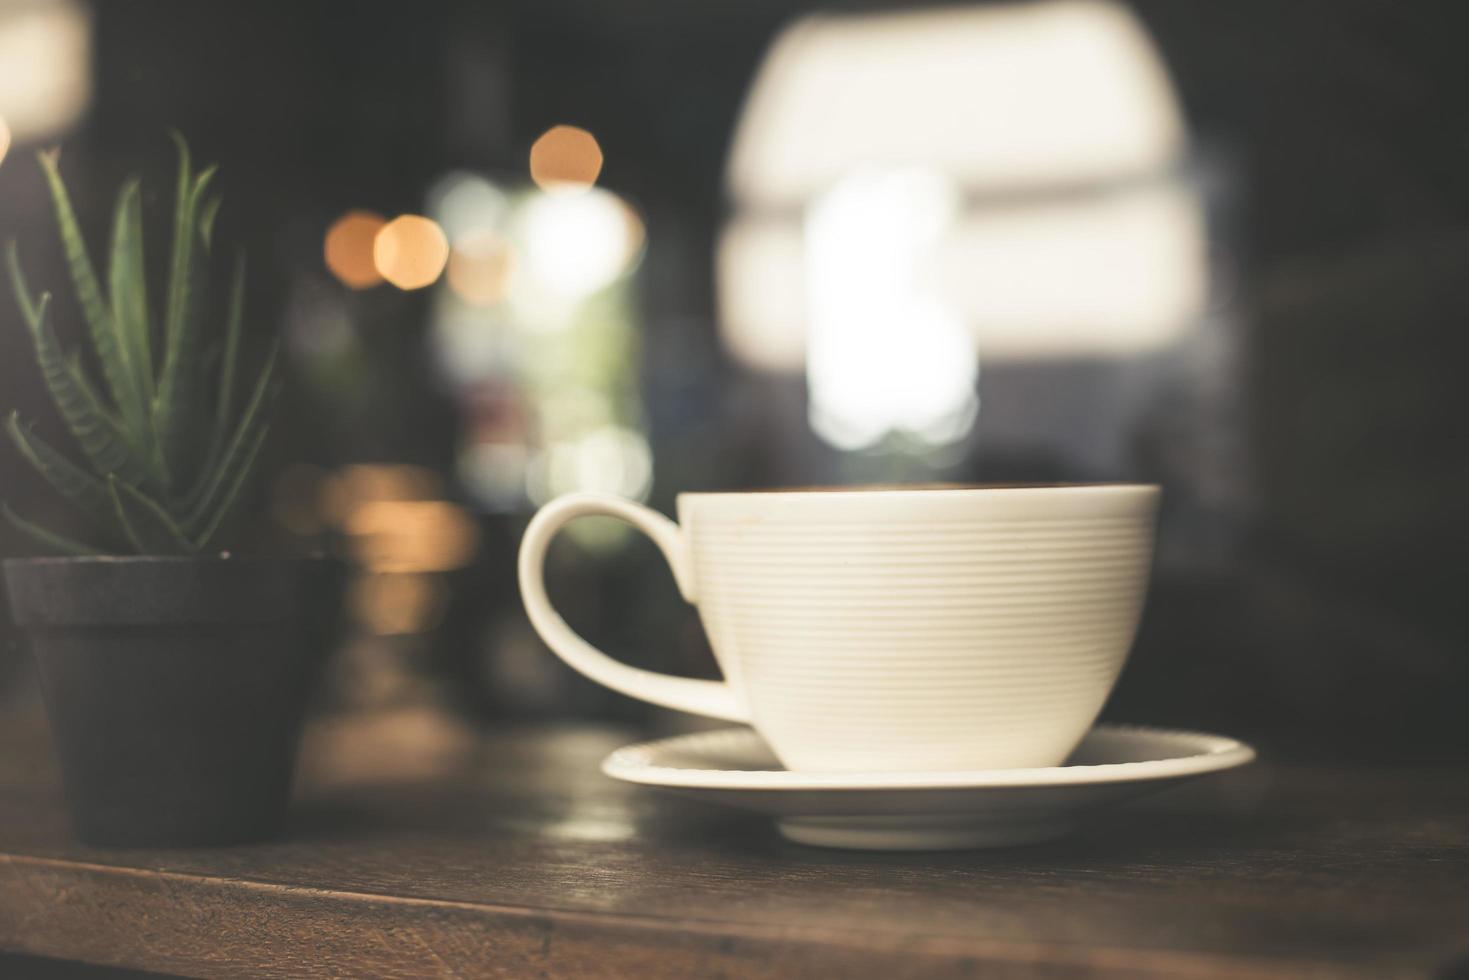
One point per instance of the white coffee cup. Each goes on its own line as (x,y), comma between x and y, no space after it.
(889,629)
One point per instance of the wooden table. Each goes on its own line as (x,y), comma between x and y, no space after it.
(422,848)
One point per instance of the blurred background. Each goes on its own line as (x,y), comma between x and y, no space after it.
(520,248)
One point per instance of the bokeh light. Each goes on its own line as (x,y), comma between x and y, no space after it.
(887,351)
(412,535)
(4,139)
(464,203)
(398,532)
(610,459)
(410,251)
(351,487)
(349,246)
(997,97)
(397,603)
(575,246)
(480,266)
(565,158)
(46,62)
(763,315)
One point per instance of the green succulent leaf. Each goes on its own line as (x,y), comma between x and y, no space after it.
(23,298)
(100,435)
(79,375)
(176,410)
(182,237)
(145,522)
(127,283)
(113,354)
(207,213)
(237,483)
(69,480)
(225,394)
(44,537)
(205,498)
(176,302)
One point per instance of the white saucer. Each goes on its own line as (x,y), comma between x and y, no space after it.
(928,810)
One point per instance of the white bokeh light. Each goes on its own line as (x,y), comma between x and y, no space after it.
(887,353)
(45,66)
(465,204)
(575,245)
(610,459)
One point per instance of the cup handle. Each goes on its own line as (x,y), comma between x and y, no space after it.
(717,699)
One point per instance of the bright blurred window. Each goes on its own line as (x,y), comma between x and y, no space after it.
(914,192)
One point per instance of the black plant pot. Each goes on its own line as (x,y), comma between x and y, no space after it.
(175,687)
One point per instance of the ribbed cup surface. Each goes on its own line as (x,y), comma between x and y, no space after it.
(886,631)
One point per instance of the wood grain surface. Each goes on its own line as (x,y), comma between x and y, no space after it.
(421,848)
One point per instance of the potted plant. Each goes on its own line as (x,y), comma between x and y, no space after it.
(175,674)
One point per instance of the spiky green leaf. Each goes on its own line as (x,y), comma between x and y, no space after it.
(177,415)
(207,213)
(145,522)
(236,484)
(113,355)
(102,439)
(183,237)
(44,537)
(175,301)
(69,480)
(225,392)
(127,283)
(204,499)
(23,298)
(79,375)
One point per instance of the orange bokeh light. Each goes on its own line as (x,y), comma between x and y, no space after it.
(348,248)
(351,487)
(412,536)
(565,158)
(410,251)
(480,266)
